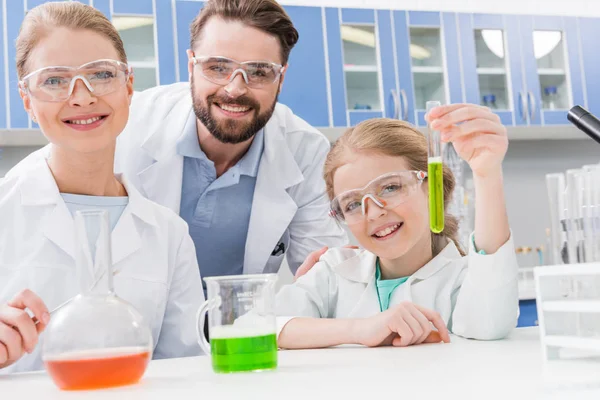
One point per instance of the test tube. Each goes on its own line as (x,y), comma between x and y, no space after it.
(555,184)
(574,204)
(592,212)
(435,177)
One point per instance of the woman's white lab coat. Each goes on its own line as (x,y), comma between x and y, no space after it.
(151,249)
(476,295)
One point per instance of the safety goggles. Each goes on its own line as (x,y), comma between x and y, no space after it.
(386,191)
(222,70)
(56,84)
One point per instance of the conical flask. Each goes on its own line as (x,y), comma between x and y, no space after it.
(97,340)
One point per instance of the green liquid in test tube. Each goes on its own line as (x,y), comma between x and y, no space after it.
(435,177)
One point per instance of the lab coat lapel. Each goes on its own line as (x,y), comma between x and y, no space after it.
(126,238)
(39,189)
(161,181)
(361,269)
(272,207)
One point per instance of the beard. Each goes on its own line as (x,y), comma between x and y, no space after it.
(231,131)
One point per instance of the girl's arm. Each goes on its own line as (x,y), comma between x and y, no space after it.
(402,325)
(485,302)
(491,220)
(314,333)
(480,139)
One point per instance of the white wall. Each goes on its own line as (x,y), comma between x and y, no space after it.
(584,8)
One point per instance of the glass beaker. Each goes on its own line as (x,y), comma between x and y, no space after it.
(97,340)
(241,319)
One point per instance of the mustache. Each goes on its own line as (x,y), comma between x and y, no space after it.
(240,101)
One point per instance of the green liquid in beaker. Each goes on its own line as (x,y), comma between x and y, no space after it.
(252,353)
(436,194)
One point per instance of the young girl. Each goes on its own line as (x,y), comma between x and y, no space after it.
(407,278)
(76,84)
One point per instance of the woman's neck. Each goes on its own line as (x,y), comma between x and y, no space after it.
(409,263)
(87,174)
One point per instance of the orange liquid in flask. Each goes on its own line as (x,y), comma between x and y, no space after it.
(98,369)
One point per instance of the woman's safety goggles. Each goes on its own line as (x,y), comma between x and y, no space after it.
(56,84)
(386,191)
(222,70)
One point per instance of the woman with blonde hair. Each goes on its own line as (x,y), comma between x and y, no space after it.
(408,285)
(76,84)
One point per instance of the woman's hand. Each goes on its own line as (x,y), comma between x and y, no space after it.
(18,332)
(402,325)
(476,133)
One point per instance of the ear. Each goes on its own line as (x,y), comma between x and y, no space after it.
(129,86)
(191,64)
(26,102)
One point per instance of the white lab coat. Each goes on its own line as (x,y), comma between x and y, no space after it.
(476,295)
(151,249)
(290,205)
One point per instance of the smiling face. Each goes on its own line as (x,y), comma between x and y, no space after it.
(389,233)
(83,123)
(234,113)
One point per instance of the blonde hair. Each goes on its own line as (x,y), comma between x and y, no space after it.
(397,139)
(68,14)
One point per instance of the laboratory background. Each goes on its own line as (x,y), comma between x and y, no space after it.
(530,61)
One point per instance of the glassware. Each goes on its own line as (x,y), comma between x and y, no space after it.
(555,184)
(489,100)
(435,177)
(241,319)
(551,97)
(574,216)
(97,340)
(591,214)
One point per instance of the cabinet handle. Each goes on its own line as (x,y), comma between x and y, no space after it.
(523,108)
(533,104)
(404,105)
(394,95)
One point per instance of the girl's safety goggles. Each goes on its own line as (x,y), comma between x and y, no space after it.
(386,191)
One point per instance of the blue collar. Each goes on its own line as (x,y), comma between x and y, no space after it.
(188,146)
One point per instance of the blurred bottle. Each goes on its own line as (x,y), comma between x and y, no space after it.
(551,98)
(489,100)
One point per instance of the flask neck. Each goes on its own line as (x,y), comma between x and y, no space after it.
(94,256)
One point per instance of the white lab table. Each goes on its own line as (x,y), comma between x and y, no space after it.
(463,369)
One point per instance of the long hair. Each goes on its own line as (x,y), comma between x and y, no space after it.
(394,138)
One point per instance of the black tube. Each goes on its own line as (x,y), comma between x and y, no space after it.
(586,122)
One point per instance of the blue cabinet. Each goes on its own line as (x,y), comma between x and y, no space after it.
(360,56)
(589,34)
(526,68)
(433,48)
(489,49)
(414,59)
(551,64)
(305,85)
(354,64)
(185,12)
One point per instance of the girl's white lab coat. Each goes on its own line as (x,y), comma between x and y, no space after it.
(476,295)
(158,272)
